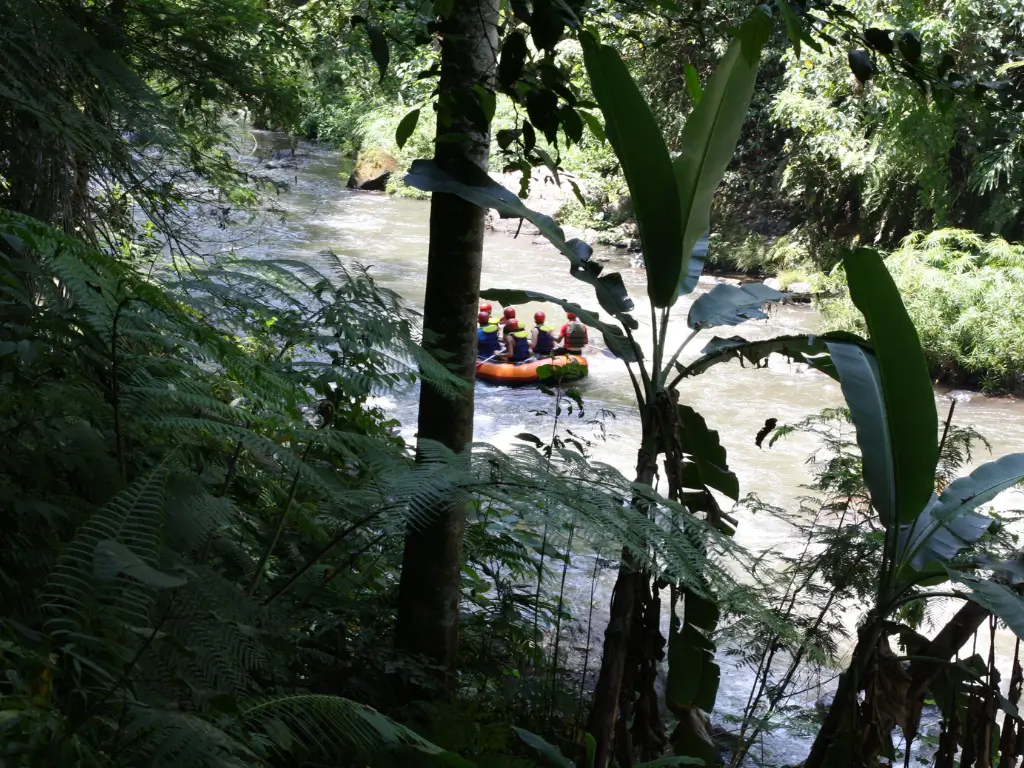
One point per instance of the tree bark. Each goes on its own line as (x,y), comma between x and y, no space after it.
(622,615)
(429,588)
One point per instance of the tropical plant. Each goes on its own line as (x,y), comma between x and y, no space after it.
(961,290)
(673,202)
(927,538)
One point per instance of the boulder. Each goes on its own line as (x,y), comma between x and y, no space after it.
(773,283)
(372,171)
(376,184)
(799,287)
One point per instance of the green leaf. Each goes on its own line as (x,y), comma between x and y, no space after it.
(949,524)
(443,8)
(690,658)
(487,101)
(548,751)
(982,485)
(512,60)
(594,124)
(794,30)
(640,148)
(695,266)
(664,762)
(935,539)
(482,190)
(708,141)
(702,612)
(861,64)
(693,89)
(406,127)
(995,597)
(879,39)
(905,388)
(731,305)
(910,46)
(617,341)
(279,733)
(708,453)
(378,44)
(862,387)
(546,25)
(799,348)
(111,559)
(529,438)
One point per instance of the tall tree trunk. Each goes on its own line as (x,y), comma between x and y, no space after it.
(428,607)
(629,585)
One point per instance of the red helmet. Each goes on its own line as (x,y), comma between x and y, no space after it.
(485,307)
(512,324)
(510,313)
(538,317)
(484,318)
(570,315)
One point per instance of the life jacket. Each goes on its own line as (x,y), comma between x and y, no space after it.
(520,346)
(576,336)
(545,340)
(487,340)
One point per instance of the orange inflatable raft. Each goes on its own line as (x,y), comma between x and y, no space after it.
(513,374)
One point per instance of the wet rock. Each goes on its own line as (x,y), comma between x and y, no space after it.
(637,261)
(799,288)
(621,207)
(376,184)
(372,171)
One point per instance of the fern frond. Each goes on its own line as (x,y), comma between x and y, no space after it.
(328,725)
(134,518)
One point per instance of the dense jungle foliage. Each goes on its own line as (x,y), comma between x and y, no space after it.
(216,547)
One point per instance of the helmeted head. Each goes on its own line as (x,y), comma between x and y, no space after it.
(570,315)
(512,324)
(510,313)
(484,318)
(486,307)
(538,318)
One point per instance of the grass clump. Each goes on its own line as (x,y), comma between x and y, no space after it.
(965,294)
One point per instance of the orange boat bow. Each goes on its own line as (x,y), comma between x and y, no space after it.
(526,373)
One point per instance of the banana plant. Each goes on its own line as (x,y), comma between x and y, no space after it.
(928,538)
(672,200)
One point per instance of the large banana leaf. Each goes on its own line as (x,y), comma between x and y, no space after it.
(616,340)
(889,394)
(799,348)
(938,535)
(708,453)
(481,189)
(949,523)
(998,598)
(731,305)
(646,164)
(708,142)
(862,388)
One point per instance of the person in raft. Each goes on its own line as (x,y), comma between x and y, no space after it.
(488,344)
(573,336)
(542,338)
(508,314)
(517,342)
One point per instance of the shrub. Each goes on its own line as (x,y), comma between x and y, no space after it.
(964,293)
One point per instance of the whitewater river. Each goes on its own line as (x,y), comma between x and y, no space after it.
(390,235)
